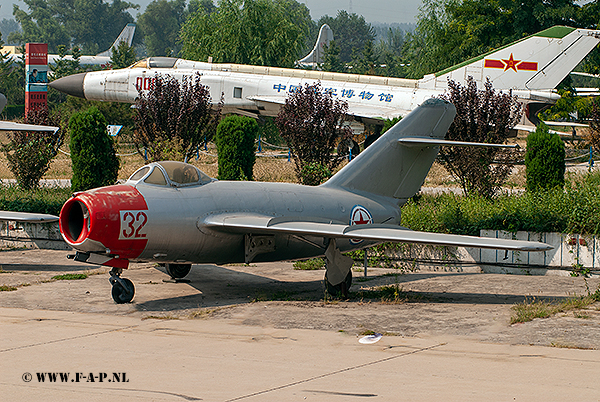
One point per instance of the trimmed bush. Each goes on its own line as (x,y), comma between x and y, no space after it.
(95,163)
(544,160)
(235,147)
(29,153)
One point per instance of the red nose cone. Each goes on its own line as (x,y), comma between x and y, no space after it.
(108,218)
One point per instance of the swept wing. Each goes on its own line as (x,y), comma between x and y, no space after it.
(260,224)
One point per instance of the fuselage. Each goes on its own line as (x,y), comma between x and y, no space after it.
(262,90)
(142,221)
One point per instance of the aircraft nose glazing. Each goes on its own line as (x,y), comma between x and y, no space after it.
(71,85)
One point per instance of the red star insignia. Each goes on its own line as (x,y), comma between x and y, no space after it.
(510,63)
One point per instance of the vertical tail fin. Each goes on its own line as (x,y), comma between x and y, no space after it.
(392,169)
(315,57)
(538,62)
(126,35)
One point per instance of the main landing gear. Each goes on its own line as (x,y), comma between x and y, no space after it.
(178,271)
(122,288)
(338,276)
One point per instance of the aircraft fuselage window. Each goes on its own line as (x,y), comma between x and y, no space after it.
(139,174)
(237,92)
(156,177)
(183,174)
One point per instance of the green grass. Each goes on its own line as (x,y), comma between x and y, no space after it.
(310,265)
(532,309)
(6,288)
(45,200)
(392,294)
(69,277)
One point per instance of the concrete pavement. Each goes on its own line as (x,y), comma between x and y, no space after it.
(222,360)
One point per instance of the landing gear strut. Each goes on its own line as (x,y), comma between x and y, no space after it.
(122,288)
(338,276)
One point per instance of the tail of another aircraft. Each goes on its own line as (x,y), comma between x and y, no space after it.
(126,35)
(397,163)
(315,57)
(538,62)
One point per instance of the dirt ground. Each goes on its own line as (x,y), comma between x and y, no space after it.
(433,301)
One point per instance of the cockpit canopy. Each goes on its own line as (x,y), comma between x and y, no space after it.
(155,62)
(170,173)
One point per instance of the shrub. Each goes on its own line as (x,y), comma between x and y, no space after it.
(93,157)
(314,174)
(174,118)
(235,146)
(42,200)
(311,123)
(481,116)
(544,160)
(29,153)
(573,210)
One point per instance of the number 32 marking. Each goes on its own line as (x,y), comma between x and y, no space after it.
(132,224)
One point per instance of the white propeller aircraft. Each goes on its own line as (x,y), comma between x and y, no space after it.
(172,213)
(531,68)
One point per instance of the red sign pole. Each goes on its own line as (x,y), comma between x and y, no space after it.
(36,76)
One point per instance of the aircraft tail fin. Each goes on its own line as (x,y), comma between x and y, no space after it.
(538,62)
(126,35)
(315,57)
(397,163)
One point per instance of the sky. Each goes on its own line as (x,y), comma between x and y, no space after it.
(387,11)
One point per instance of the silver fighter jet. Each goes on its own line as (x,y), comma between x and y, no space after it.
(172,213)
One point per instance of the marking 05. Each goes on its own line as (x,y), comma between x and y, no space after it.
(132,225)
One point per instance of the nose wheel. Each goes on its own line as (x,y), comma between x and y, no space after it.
(122,288)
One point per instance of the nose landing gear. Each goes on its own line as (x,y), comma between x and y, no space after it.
(122,288)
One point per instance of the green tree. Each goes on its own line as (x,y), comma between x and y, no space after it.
(452,31)
(174,118)
(122,56)
(91,24)
(66,66)
(93,156)
(311,122)
(258,32)
(235,141)
(481,116)
(331,59)
(160,25)
(544,160)
(351,32)
(29,153)
(12,78)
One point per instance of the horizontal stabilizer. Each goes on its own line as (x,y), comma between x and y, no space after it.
(260,224)
(420,141)
(26,217)
(10,126)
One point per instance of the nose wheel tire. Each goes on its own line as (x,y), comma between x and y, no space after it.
(341,289)
(178,271)
(122,290)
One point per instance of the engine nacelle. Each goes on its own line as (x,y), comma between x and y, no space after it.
(108,222)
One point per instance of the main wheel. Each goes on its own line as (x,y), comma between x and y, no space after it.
(178,271)
(123,291)
(341,289)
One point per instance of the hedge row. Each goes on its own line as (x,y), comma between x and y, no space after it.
(574,210)
(41,200)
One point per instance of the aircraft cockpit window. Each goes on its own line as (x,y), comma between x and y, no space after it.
(156,177)
(139,174)
(182,174)
(162,62)
(140,64)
